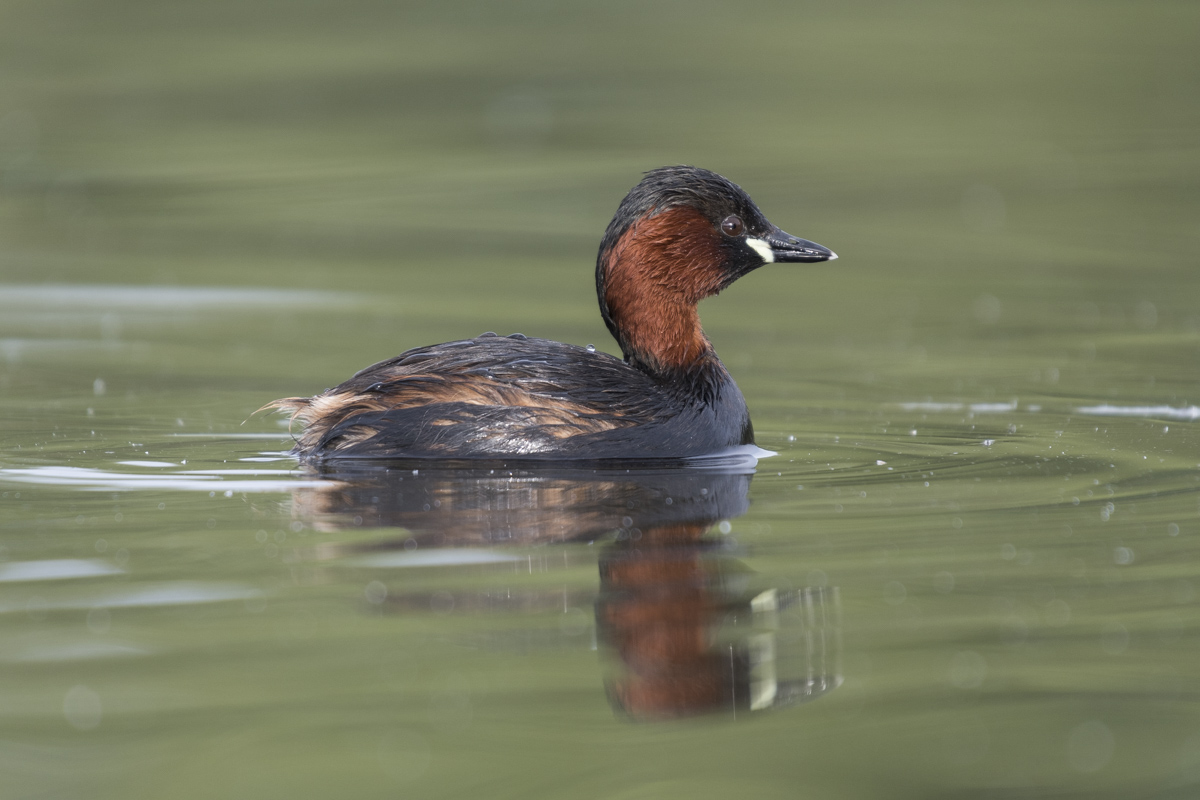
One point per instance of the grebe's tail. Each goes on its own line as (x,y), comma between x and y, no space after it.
(295,406)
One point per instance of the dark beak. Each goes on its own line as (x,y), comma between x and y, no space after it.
(791,249)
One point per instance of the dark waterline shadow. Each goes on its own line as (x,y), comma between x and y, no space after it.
(684,623)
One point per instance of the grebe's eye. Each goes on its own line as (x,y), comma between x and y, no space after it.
(732,225)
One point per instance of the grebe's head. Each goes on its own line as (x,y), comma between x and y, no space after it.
(681,235)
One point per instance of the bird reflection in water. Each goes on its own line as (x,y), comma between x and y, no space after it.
(690,628)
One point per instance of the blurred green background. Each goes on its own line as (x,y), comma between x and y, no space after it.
(476,150)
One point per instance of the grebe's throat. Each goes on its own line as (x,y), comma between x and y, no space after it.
(651,280)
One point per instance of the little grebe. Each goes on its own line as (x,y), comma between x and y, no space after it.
(680,235)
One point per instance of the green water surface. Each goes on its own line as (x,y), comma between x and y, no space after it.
(985,413)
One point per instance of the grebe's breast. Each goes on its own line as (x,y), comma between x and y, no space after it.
(498,396)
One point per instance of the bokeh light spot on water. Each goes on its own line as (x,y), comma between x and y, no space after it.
(575,622)
(375,592)
(967,670)
(1114,638)
(1145,315)
(82,708)
(894,593)
(1090,746)
(983,208)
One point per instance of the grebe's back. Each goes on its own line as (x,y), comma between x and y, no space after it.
(502,396)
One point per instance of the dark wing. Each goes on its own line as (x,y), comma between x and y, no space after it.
(488,396)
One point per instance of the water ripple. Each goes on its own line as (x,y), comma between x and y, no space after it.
(55,569)
(176,593)
(96,480)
